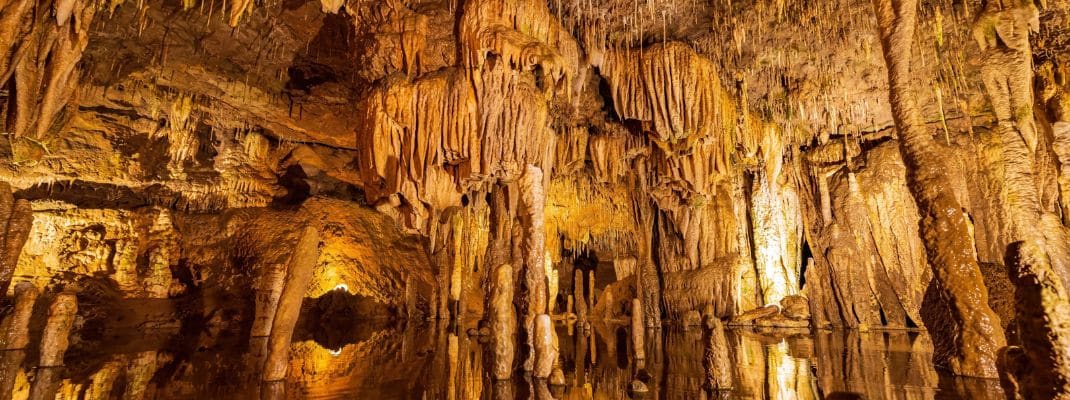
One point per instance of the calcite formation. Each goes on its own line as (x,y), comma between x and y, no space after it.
(506,171)
(288,310)
(503,322)
(55,338)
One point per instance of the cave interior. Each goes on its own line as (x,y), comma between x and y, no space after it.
(535,199)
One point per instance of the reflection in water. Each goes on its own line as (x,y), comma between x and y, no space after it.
(434,362)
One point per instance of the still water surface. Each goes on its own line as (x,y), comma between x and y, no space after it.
(435,362)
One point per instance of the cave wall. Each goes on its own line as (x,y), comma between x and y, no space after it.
(712,162)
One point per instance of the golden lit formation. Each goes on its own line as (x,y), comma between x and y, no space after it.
(535,199)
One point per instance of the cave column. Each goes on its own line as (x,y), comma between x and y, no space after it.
(1038,258)
(533,197)
(1008,76)
(971,345)
(502,317)
(745,277)
(648,283)
(298,276)
(503,322)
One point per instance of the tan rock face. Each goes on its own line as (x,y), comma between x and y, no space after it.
(783,164)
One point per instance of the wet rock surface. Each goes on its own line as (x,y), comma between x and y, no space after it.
(551,188)
(415,360)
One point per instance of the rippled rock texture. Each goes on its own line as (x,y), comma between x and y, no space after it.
(506,171)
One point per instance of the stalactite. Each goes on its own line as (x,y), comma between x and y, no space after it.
(1003,35)
(969,347)
(16,217)
(10,367)
(42,54)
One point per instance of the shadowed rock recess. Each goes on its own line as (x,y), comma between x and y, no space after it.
(535,199)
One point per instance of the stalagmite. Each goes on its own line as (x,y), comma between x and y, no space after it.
(969,346)
(590,289)
(579,300)
(638,330)
(503,322)
(552,280)
(55,338)
(16,325)
(546,351)
(299,273)
(16,217)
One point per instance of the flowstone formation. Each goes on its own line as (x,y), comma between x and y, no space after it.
(530,175)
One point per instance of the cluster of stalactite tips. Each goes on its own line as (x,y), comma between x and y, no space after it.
(188,175)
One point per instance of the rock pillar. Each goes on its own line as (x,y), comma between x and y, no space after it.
(503,322)
(289,309)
